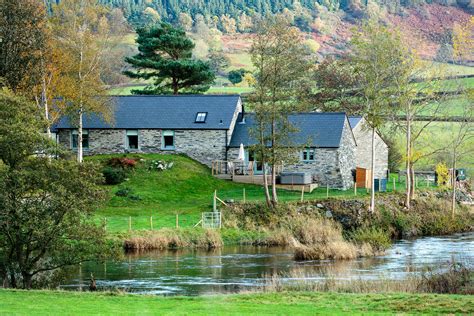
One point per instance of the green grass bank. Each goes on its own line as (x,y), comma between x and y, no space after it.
(296,303)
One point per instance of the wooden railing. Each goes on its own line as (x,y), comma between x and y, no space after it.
(223,167)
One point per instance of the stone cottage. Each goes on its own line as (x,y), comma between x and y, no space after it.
(363,135)
(328,146)
(210,128)
(199,126)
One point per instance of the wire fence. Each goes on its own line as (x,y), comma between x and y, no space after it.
(248,193)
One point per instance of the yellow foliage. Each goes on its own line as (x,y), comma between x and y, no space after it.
(443,173)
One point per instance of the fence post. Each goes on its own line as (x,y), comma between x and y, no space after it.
(177,220)
(327,190)
(151,222)
(355,188)
(302,193)
(244,196)
(130,223)
(394,185)
(214,202)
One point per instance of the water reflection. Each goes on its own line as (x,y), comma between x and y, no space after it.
(236,268)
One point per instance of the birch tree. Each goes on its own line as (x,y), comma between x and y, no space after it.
(375,57)
(281,62)
(82,31)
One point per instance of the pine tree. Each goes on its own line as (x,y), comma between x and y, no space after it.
(165,56)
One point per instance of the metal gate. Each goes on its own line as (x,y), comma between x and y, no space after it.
(211,220)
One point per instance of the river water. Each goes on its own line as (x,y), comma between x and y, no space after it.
(236,268)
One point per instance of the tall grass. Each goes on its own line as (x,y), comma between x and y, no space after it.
(174,238)
(450,278)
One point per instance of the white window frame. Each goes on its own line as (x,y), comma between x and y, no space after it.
(75,132)
(167,133)
(201,117)
(132,132)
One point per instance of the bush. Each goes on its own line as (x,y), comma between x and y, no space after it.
(113,175)
(236,76)
(456,279)
(375,237)
(124,191)
(123,163)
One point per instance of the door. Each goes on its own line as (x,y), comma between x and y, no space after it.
(257,165)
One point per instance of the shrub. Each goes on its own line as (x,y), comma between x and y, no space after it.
(124,163)
(375,237)
(124,191)
(443,174)
(456,279)
(113,175)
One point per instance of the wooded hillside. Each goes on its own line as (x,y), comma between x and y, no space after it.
(238,15)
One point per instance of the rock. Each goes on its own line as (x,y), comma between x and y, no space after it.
(328,214)
(319,205)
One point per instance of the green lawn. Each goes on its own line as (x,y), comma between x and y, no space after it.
(291,303)
(187,190)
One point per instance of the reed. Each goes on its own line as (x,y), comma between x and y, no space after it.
(173,239)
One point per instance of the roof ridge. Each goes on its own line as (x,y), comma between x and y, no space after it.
(309,113)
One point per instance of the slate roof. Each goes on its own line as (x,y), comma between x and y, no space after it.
(354,120)
(164,112)
(315,129)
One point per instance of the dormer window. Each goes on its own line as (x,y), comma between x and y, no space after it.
(201,117)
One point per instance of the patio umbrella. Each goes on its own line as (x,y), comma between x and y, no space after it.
(241,153)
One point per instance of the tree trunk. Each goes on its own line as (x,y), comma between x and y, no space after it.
(454,178)
(79,138)
(408,164)
(372,176)
(44,101)
(27,280)
(265,185)
(274,190)
(175,86)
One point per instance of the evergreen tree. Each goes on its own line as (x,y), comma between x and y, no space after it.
(165,56)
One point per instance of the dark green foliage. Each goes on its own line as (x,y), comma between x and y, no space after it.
(165,57)
(236,76)
(375,237)
(46,205)
(113,175)
(124,191)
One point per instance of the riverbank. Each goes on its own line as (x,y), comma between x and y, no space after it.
(319,229)
(297,303)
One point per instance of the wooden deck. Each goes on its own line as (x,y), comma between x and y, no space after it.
(258,179)
(243,172)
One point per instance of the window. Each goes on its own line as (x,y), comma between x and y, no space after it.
(167,141)
(85,139)
(132,139)
(201,117)
(308,154)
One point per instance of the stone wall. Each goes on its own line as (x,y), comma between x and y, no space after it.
(204,146)
(237,111)
(346,154)
(363,135)
(332,166)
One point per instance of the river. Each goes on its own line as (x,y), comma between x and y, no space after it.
(236,268)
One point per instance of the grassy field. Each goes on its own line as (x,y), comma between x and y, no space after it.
(187,190)
(291,303)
